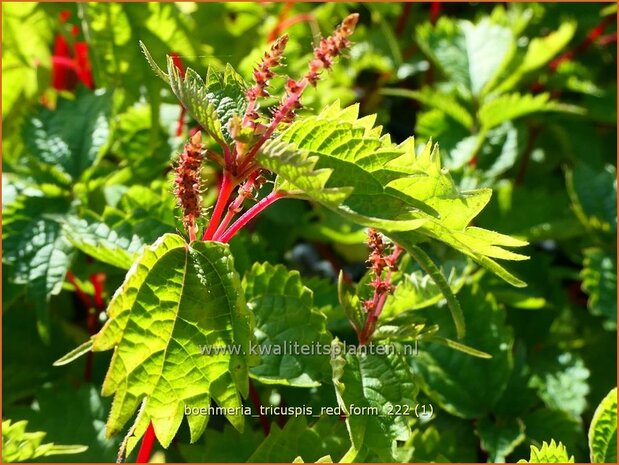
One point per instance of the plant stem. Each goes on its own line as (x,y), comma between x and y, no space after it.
(255,398)
(235,206)
(227,185)
(146,447)
(250,214)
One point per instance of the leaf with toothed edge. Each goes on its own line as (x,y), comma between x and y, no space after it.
(212,102)
(344,163)
(284,313)
(176,298)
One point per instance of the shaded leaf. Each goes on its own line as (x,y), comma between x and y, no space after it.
(285,316)
(71,136)
(376,382)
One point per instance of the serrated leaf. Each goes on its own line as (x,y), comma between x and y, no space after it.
(469,54)
(71,136)
(603,430)
(345,164)
(549,453)
(561,380)
(297,438)
(18,445)
(451,378)
(117,244)
(212,102)
(378,382)
(284,312)
(599,281)
(500,438)
(36,248)
(176,299)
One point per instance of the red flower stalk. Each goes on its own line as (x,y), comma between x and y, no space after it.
(262,74)
(382,286)
(324,54)
(188,185)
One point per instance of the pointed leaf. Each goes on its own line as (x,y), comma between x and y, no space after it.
(379,383)
(71,136)
(549,453)
(176,299)
(283,308)
(450,377)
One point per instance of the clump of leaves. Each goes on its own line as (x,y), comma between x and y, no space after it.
(180,296)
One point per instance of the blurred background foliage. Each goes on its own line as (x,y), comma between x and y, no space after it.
(520,97)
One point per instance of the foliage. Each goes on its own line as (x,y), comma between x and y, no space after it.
(424,196)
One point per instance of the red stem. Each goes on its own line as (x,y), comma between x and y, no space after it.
(255,398)
(80,293)
(282,16)
(402,20)
(235,206)
(227,185)
(435,11)
(146,447)
(249,215)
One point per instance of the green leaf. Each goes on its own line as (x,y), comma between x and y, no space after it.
(549,453)
(379,383)
(438,100)
(297,438)
(594,195)
(469,54)
(564,427)
(451,378)
(223,446)
(114,31)
(36,247)
(285,316)
(18,445)
(26,38)
(500,438)
(599,281)
(74,354)
(83,412)
(211,102)
(444,439)
(345,164)
(427,265)
(603,430)
(539,52)
(117,244)
(508,107)
(561,381)
(176,299)
(71,136)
